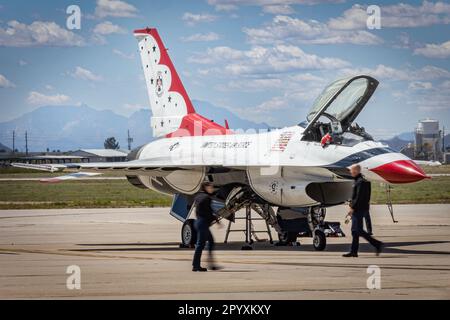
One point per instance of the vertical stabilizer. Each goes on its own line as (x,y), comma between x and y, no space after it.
(168,98)
(172,109)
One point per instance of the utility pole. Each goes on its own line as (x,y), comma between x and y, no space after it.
(443,140)
(26,143)
(14,141)
(130,141)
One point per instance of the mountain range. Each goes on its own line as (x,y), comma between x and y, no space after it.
(82,127)
(403,139)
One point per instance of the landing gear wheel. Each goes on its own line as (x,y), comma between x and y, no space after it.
(287,237)
(188,234)
(319,240)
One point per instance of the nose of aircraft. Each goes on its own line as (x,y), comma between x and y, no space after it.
(401,171)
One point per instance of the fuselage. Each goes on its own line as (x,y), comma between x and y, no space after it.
(279,165)
(276,148)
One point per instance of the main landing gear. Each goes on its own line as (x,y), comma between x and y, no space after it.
(289,223)
(188,234)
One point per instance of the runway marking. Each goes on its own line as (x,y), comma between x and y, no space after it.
(324,265)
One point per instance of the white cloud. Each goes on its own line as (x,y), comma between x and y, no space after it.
(441,51)
(201,37)
(39,99)
(260,60)
(276,103)
(381,71)
(294,83)
(270,2)
(419,85)
(107,27)
(445,84)
(22,63)
(278,9)
(38,33)
(284,28)
(123,55)
(402,41)
(194,18)
(395,16)
(5,83)
(114,8)
(225,7)
(84,74)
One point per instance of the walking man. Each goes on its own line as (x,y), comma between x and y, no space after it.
(205,217)
(359,209)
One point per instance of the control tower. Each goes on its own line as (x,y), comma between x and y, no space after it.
(428,144)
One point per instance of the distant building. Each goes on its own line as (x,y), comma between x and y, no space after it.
(101,155)
(428,144)
(39,158)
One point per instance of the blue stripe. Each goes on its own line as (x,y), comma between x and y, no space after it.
(359,157)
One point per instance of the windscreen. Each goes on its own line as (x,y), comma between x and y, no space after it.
(344,103)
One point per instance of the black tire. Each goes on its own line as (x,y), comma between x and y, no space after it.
(319,240)
(287,237)
(188,233)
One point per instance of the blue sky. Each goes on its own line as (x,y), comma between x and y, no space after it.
(263,59)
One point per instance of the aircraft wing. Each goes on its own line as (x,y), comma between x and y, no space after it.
(161,168)
(87,170)
(150,167)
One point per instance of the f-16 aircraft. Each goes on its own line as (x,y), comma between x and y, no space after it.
(286,175)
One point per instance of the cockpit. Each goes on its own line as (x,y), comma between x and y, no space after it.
(334,111)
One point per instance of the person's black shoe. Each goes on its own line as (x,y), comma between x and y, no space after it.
(370,233)
(350,255)
(379,248)
(199,269)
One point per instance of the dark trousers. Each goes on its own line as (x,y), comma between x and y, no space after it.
(203,235)
(368,222)
(358,231)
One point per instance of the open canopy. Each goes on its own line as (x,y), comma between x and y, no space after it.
(342,100)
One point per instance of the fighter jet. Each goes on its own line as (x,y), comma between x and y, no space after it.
(286,175)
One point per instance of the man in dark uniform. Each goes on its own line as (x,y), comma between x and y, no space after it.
(205,217)
(368,222)
(359,208)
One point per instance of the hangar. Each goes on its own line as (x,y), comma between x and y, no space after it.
(101,155)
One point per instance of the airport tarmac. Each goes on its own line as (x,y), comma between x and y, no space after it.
(134,253)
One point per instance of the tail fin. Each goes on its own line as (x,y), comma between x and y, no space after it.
(168,98)
(171,107)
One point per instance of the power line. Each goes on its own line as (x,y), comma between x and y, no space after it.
(129,140)
(26,143)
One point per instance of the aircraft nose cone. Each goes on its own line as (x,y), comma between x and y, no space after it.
(402,171)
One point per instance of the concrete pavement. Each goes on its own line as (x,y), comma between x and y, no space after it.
(134,253)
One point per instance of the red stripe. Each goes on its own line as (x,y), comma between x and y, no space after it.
(176,85)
